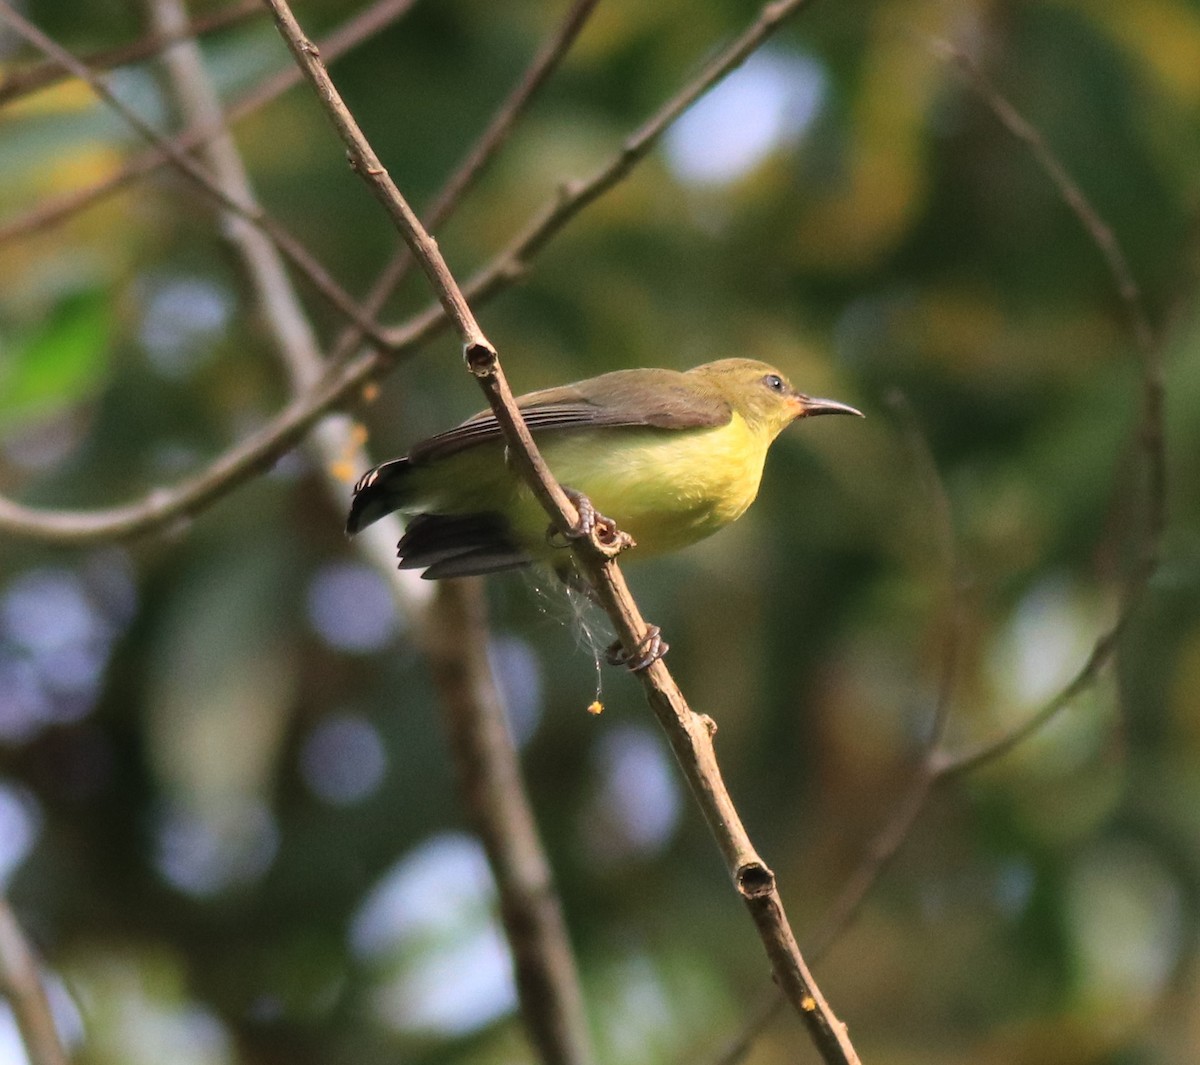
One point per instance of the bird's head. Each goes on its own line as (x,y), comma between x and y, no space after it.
(763,396)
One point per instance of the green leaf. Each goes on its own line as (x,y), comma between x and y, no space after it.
(58,364)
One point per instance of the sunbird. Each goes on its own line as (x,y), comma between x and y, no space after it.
(669,456)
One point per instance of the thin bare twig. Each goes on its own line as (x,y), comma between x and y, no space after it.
(689,733)
(162,507)
(472,166)
(295,251)
(548,58)
(1152,429)
(941,766)
(947,764)
(879,854)
(574,196)
(30,79)
(21,984)
(452,629)
(905,811)
(55,210)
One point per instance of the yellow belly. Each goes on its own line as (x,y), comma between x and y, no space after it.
(666,488)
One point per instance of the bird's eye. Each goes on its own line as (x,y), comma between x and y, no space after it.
(774,382)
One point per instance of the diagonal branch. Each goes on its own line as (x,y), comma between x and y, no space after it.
(498,129)
(42,75)
(574,196)
(55,210)
(938,765)
(1151,432)
(472,166)
(290,246)
(941,766)
(690,734)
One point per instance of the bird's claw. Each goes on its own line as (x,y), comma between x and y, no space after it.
(591,525)
(648,650)
(589,517)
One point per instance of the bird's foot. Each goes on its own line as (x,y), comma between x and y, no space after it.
(591,525)
(648,650)
(589,517)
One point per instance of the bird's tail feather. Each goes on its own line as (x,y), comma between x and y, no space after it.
(379,491)
(459,545)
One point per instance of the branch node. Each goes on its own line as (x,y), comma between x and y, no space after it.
(607,539)
(710,726)
(480,358)
(754,880)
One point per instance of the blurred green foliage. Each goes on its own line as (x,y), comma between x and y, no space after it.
(59,365)
(223,782)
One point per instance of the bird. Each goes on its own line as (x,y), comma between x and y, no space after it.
(669,456)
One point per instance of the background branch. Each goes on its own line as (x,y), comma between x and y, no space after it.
(24,81)
(21,985)
(455,639)
(294,250)
(478,156)
(1152,434)
(54,210)
(940,765)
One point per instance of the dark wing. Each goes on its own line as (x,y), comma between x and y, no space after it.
(610,401)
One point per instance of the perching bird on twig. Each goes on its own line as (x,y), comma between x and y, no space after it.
(669,457)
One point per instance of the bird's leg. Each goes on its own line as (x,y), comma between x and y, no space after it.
(610,541)
(648,650)
(591,525)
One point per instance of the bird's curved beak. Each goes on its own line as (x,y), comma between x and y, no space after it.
(809,406)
